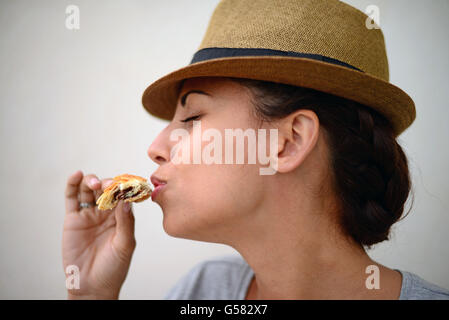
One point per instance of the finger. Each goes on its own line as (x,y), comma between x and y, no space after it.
(104,184)
(124,237)
(71,191)
(88,185)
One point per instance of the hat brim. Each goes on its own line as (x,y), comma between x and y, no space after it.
(160,98)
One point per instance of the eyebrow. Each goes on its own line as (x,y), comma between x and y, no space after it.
(184,97)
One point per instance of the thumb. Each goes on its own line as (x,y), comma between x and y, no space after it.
(124,217)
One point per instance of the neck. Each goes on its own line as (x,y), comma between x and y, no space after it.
(300,256)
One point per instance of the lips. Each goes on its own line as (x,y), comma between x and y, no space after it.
(158,184)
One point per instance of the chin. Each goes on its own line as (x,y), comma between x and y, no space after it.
(175,227)
(170,228)
(185,230)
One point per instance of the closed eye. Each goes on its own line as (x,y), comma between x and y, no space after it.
(191,118)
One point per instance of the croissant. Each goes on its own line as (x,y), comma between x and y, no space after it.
(128,187)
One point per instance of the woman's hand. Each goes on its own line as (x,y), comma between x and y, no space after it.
(99,243)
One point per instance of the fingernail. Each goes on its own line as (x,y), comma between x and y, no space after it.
(126,206)
(107,183)
(76,172)
(93,181)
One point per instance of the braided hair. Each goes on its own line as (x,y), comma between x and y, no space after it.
(369,170)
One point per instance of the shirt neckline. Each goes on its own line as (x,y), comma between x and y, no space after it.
(405,285)
(249,273)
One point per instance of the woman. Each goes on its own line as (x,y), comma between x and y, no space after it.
(312,71)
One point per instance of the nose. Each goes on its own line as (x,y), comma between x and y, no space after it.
(159,150)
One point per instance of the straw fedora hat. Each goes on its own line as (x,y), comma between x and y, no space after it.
(319,44)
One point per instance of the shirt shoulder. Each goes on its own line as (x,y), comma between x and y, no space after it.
(222,278)
(416,288)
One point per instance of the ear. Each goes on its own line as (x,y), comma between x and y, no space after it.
(298,134)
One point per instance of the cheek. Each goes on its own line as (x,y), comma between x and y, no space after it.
(207,198)
(219,189)
(212,198)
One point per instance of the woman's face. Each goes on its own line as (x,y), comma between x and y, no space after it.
(208,202)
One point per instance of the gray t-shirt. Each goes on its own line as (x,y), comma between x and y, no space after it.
(228,278)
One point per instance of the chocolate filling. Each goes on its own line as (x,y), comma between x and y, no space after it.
(120,194)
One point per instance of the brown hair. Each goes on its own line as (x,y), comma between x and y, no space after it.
(370,171)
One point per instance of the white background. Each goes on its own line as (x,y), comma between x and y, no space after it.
(71,100)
